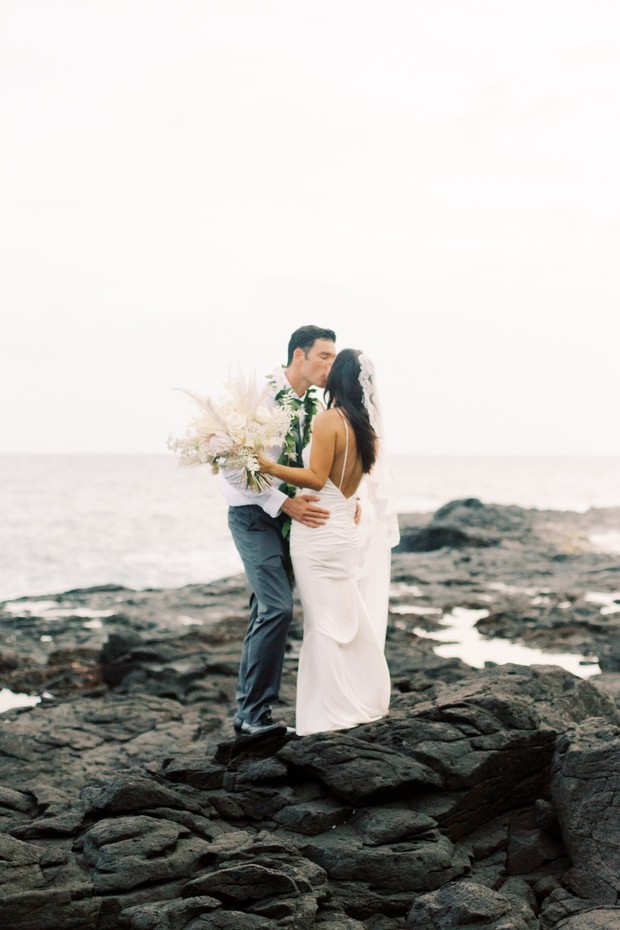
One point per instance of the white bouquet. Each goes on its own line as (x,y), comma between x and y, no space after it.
(228,432)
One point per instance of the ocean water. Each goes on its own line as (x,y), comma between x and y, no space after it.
(69,521)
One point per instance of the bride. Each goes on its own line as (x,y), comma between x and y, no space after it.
(341,569)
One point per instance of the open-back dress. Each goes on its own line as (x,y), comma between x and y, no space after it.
(343,677)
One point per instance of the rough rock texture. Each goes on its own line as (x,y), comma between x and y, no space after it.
(465,904)
(586,788)
(321,831)
(486,799)
(561,909)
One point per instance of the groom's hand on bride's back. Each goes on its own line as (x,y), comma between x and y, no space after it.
(303,509)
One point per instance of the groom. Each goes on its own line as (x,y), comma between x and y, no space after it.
(256,520)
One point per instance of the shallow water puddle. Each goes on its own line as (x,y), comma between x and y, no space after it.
(515,589)
(608,540)
(401,587)
(404,609)
(189,621)
(9,700)
(461,640)
(50,610)
(609,601)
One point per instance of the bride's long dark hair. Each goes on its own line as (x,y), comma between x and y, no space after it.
(343,389)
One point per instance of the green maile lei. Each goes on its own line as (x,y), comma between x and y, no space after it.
(295,440)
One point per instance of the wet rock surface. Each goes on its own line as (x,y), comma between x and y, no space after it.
(486,799)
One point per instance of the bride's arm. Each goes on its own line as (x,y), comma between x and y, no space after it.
(321,457)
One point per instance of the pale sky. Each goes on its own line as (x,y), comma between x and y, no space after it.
(184,183)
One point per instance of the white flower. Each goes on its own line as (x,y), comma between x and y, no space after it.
(227,432)
(219,444)
(235,422)
(262,414)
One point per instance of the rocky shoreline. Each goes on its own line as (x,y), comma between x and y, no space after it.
(486,799)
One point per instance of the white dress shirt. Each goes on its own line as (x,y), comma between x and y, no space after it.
(233,481)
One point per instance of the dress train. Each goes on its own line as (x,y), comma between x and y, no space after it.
(343,677)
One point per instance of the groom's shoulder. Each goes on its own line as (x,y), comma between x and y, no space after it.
(276,381)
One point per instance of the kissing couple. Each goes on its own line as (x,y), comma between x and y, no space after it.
(310,520)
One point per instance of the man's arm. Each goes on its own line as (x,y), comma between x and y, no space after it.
(271,499)
(302,509)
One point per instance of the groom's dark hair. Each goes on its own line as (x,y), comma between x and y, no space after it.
(305,337)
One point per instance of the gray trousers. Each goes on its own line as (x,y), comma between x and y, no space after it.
(266,560)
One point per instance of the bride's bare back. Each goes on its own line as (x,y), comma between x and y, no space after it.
(346,471)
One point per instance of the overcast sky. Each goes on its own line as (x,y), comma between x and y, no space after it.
(184,183)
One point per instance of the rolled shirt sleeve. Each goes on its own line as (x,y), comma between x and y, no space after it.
(238,495)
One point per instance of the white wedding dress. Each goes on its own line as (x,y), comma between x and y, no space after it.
(343,677)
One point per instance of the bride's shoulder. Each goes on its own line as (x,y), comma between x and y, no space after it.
(326,419)
(328,414)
